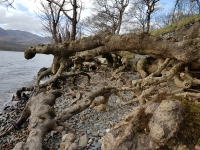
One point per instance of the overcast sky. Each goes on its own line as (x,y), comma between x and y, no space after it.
(24,18)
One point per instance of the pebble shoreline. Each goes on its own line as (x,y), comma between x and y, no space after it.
(90,125)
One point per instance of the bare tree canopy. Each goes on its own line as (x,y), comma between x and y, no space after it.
(72,11)
(7,2)
(108,16)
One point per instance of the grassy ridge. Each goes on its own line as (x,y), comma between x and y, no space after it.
(175,25)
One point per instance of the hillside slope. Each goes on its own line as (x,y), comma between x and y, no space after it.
(16,40)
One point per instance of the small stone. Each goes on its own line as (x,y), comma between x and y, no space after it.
(96,145)
(83,141)
(88,132)
(95,134)
(53,132)
(197,147)
(90,141)
(107,130)
(101,134)
(76,141)
(62,145)
(100,140)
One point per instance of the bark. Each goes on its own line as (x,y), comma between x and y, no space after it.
(41,121)
(74,20)
(186,50)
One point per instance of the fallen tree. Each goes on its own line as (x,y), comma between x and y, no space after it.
(174,58)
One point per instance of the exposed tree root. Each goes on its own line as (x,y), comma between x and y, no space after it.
(120,69)
(57,68)
(152,80)
(39,110)
(140,69)
(43,74)
(189,94)
(41,115)
(142,97)
(183,50)
(86,102)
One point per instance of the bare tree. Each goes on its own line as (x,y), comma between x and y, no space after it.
(121,6)
(185,8)
(141,13)
(70,7)
(50,14)
(198,4)
(150,9)
(108,16)
(138,14)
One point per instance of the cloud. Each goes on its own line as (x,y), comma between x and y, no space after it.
(20,19)
(21,22)
(24,18)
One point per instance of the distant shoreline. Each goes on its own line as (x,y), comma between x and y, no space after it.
(11,50)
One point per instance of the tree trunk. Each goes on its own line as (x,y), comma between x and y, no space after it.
(148,22)
(54,32)
(74,21)
(119,22)
(179,47)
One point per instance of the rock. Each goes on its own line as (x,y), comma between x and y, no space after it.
(103,60)
(53,132)
(182,147)
(151,108)
(100,140)
(197,147)
(165,121)
(73,146)
(120,137)
(130,135)
(107,130)
(83,141)
(68,142)
(95,134)
(97,145)
(101,134)
(90,141)
(88,131)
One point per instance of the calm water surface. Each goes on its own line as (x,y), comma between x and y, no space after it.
(16,72)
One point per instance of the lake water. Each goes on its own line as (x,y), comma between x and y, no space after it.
(16,72)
